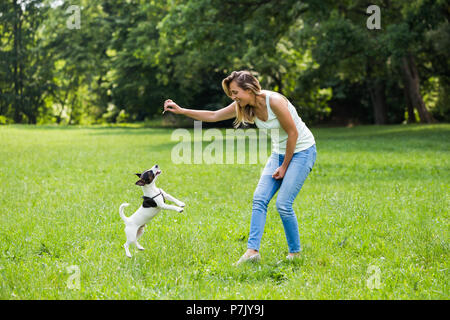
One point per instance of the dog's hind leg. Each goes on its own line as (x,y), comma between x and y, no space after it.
(130,232)
(126,245)
(138,235)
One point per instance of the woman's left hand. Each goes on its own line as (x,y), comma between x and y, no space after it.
(279,173)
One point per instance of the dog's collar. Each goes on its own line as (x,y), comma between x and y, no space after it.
(149,202)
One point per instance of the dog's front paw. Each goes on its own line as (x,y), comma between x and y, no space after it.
(181,204)
(180,210)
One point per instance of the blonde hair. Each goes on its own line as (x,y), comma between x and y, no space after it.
(245,80)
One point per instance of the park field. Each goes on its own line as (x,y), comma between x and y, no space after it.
(373,218)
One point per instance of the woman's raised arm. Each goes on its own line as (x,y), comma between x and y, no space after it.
(228,112)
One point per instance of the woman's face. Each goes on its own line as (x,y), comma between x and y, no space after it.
(241,96)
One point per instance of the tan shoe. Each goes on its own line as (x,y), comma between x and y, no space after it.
(252,258)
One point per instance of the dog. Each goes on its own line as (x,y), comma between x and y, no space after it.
(154,201)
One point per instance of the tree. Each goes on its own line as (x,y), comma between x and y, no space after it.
(24,65)
(344,41)
(129,55)
(201,37)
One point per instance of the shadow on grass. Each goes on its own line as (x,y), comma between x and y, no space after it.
(381,172)
(390,138)
(414,131)
(98,129)
(419,131)
(277,272)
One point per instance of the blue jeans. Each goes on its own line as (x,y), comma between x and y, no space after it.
(300,166)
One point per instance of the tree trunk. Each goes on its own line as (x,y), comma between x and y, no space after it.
(376,89)
(409,107)
(22,102)
(16,101)
(72,106)
(279,83)
(412,87)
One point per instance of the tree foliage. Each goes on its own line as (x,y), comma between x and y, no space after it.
(130,55)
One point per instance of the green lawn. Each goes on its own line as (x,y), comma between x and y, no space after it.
(373,218)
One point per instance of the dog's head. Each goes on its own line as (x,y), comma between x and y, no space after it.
(149,176)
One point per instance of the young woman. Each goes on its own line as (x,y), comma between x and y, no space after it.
(293,152)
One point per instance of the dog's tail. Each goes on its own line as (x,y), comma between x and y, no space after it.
(122,215)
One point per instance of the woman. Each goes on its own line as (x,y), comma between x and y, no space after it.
(293,152)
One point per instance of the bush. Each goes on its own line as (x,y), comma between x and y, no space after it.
(122,117)
(4,120)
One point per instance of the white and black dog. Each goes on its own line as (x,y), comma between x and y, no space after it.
(154,201)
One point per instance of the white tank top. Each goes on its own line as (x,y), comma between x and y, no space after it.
(279,136)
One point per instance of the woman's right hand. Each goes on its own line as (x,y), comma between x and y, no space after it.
(171,106)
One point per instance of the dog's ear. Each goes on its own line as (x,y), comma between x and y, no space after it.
(138,174)
(140,182)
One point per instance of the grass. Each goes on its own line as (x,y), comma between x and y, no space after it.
(375,207)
